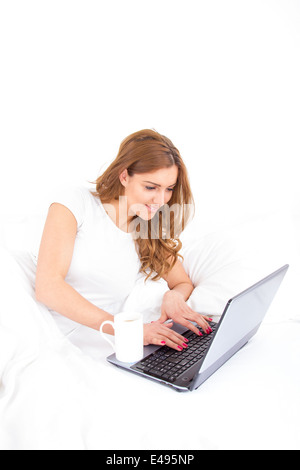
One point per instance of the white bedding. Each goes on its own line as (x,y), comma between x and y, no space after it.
(59,392)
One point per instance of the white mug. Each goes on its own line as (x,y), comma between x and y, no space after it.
(129,336)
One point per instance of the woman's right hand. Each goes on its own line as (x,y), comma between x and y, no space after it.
(161,334)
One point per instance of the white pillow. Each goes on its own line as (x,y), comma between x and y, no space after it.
(216,270)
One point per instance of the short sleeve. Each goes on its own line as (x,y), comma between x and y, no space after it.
(74,200)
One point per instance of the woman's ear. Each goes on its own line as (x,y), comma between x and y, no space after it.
(124,178)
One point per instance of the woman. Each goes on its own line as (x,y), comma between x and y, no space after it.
(95,244)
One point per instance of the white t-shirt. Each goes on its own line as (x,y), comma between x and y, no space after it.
(105,264)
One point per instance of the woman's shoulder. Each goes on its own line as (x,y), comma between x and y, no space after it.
(78,199)
(77,193)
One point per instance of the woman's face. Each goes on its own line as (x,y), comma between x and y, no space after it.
(147,192)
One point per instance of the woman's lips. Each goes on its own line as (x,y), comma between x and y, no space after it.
(152,209)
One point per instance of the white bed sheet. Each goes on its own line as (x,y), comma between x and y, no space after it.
(59,392)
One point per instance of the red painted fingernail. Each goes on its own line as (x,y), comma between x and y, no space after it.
(163,342)
(210,319)
(200,334)
(184,345)
(186,340)
(180,349)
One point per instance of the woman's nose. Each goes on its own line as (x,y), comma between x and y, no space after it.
(160,198)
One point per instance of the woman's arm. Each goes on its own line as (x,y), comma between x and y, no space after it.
(179,281)
(54,260)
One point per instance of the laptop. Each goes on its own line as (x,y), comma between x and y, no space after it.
(186,370)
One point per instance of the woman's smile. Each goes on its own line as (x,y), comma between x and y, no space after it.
(152,208)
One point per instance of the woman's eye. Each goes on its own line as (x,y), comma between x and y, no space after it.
(150,188)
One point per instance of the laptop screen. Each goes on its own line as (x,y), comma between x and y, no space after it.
(243,314)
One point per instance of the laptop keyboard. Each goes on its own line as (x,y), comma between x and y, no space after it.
(168,364)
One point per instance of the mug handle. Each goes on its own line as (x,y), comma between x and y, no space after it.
(107,322)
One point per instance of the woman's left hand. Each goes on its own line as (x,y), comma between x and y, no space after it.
(176,308)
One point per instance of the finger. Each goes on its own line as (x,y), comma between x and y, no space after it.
(204,325)
(163,318)
(165,331)
(201,320)
(190,326)
(169,324)
(207,318)
(178,346)
(173,335)
(174,340)
(162,340)
(186,321)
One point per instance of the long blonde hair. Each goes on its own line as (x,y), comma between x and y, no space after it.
(144,152)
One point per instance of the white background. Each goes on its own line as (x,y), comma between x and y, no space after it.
(219,77)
